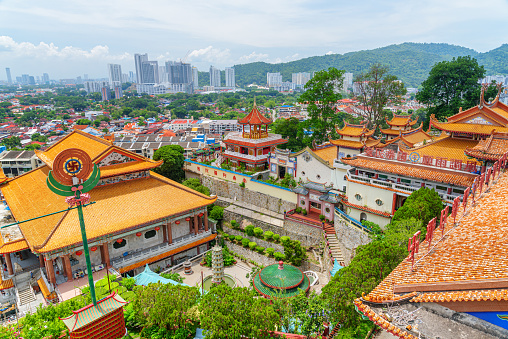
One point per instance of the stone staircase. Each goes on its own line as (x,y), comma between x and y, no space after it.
(25,294)
(333,243)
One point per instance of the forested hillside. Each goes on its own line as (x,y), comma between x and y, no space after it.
(410,62)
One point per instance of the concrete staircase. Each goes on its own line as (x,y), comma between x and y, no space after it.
(333,243)
(25,294)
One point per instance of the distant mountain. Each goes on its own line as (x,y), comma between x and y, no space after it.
(410,62)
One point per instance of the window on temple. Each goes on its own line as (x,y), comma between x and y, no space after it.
(363,216)
(117,245)
(379,202)
(150,234)
(318,177)
(358,197)
(302,202)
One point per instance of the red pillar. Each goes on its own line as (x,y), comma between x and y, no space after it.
(67,267)
(41,260)
(164,233)
(105,255)
(8,261)
(196,224)
(51,271)
(206,221)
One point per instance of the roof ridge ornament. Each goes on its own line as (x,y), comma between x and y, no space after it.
(485,103)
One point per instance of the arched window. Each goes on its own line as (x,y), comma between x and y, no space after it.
(117,245)
(363,216)
(358,197)
(150,234)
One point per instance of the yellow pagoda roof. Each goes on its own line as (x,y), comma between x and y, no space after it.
(446,147)
(467,128)
(328,154)
(355,130)
(491,148)
(401,120)
(370,142)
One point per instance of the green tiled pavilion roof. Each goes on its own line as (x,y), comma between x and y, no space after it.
(287,278)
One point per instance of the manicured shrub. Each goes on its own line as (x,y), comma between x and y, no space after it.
(258,232)
(128,283)
(119,290)
(245,242)
(238,238)
(235,225)
(252,245)
(298,210)
(260,249)
(322,217)
(231,237)
(284,239)
(276,237)
(268,235)
(249,229)
(128,296)
(270,251)
(279,256)
(304,211)
(225,235)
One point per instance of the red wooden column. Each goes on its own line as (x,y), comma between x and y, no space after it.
(165,232)
(51,271)
(41,260)
(170,234)
(105,255)
(206,221)
(8,261)
(196,224)
(67,267)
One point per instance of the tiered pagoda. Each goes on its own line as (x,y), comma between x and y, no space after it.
(250,148)
(398,124)
(354,139)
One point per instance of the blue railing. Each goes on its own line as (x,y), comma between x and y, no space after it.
(352,220)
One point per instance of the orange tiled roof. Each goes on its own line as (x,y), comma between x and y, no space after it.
(12,246)
(128,167)
(491,148)
(446,147)
(255,118)
(355,130)
(473,254)
(355,144)
(77,139)
(120,206)
(411,170)
(401,120)
(6,284)
(3,177)
(466,127)
(328,154)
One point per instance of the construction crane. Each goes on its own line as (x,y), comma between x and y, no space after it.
(185,57)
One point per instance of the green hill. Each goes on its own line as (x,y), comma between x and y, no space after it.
(410,62)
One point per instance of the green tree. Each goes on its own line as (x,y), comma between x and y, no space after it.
(173,158)
(234,313)
(423,205)
(39,137)
(294,251)
(83,122)
(377,87)
(291,129)
(451,85)
(322,93)
(12,142)
(195,184)
(217,212)
(32,147)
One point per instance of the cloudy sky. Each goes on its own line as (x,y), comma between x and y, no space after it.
(70,38)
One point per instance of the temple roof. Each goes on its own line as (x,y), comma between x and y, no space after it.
(120,206)
(328,154)
(150,277)
(401,120)
(411,170)
(272,281)
(355,130)
(446,147)
(91,313)
(370,142)
(255,118)
(491,148)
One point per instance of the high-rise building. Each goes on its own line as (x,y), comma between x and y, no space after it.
(94,86)
(45,78)
(348,81)
(9,78)
(214,77)
(118,92)
(132,76)
(85,76)
(25,79)
(106,93)
(300,79)
(125,78)
(150,72)
(138,60)
(230,76)
(195,77)
(273,79)
(115,75)
(163,74)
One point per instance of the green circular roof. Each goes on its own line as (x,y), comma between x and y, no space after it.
(284,293)
(286,278)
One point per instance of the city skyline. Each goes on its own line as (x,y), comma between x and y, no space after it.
(71,39)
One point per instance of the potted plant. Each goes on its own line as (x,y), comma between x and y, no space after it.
(321,217)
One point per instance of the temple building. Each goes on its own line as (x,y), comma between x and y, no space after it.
(250,148)
(454,284)
(408,139)
(138,217)
(354,139)
(398,124)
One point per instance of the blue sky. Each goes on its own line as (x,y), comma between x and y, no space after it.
(69,38)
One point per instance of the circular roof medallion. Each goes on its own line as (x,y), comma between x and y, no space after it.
(70,163)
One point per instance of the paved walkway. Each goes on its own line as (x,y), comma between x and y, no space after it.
(70,289)
(255,212)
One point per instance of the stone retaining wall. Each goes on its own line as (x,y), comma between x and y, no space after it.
(258,241)
(233,191)
(307,235)
(350,237)
(252,255)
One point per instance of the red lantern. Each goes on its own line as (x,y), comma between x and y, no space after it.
(138,234)
(200,214)
(79,252)
(157,228)
(93,249)
(119,241)
(177,222)
(188,218)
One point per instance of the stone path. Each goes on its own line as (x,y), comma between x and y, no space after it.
(333,243)
(238,271)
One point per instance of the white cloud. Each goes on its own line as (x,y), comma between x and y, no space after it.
(47,50)
(252,57)
(329,53)
(210,54)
